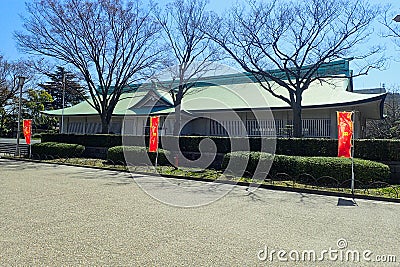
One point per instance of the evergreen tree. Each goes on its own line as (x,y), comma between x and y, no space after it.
(34,103)
(74,92)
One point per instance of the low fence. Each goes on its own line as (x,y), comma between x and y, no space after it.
(11,149)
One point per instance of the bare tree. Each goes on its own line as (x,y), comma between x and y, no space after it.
(111,42)
(192,53)
(391,21)
(285,43)
(9,91)
(8,79)
(389,127)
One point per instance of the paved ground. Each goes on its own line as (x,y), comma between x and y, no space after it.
(60,215)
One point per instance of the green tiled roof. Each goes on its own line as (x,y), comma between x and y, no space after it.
(239,95)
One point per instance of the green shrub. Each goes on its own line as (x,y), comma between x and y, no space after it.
(136,155)
(378,149)
(306,147)
(296,166)
(372,149)
(222,144)
(61,150)
(91,140)
(36,136)
(249,159)
(366,171)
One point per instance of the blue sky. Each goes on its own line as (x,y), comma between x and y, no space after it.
(10,21)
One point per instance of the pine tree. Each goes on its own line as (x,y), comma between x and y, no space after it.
(74,92)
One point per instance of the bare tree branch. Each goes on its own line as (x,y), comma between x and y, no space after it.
(285,43)
(111,43)
(184,25)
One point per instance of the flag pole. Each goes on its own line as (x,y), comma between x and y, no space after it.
(158,139)
(352,155)
(156,158)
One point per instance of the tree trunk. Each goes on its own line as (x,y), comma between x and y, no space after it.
(2,126)
(297,125)
(105,123)
(177,104)
(177,122)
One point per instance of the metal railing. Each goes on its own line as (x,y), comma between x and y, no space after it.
(316,127)
(11,149)
(281,128)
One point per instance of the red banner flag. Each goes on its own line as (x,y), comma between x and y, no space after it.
(345,134)
(153,144)
(27,129)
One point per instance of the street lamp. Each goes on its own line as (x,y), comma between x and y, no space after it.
(397,18)
(21,80)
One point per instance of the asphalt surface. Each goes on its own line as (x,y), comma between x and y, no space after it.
(55,215)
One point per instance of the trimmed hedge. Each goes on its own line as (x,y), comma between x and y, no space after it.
(91,140)
(378,149)
(366,171)
(372,149)
(61,150)
(339,168)
(249,159)
(307,147)
(136,155)
(36,136)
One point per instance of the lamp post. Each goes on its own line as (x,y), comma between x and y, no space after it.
(397,18)
(21,80)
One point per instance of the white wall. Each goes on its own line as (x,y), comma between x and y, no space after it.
(89,125)
(134,125)
(236,123)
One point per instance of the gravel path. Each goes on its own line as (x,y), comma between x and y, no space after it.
(60,215)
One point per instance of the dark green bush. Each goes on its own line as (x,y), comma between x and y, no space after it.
(248,159)
(371,149)
(90,140)
(136,155)
(36,136)
(366,171)
(191,143)
(61,150)
(222,144)
(318,147)
(379,150)
(296,166)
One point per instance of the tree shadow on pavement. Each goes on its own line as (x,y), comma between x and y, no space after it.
(15,165)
